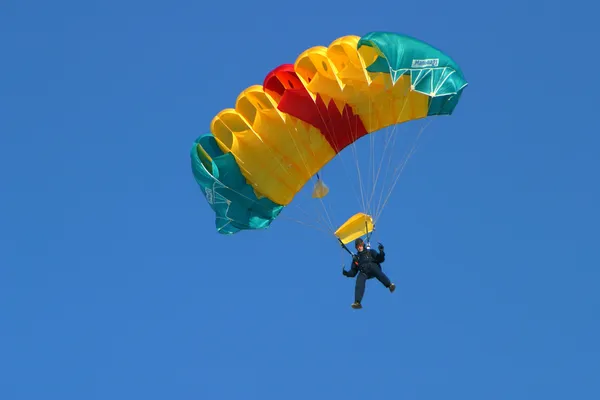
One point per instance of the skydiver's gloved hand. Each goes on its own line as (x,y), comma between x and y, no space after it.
(344,272)
(380,247)
(355,259)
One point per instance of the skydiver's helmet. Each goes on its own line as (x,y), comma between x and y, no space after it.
(358,242)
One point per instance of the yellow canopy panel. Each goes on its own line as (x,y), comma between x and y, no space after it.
(356,226)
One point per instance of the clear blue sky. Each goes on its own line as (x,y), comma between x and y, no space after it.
(115,285)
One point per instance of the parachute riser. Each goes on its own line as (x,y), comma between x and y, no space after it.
(345,247)
(368,244)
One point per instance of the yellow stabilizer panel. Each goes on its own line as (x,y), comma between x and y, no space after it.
(356,226)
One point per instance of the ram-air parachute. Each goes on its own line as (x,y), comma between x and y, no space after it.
(280,134)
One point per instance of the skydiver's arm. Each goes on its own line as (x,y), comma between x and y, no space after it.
(379,257)
(353,269)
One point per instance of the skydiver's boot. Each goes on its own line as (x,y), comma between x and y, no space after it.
(392,288)
(356,305)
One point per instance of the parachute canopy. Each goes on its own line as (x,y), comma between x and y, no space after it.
(260,154)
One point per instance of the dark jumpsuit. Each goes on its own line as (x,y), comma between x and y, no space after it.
(367,263)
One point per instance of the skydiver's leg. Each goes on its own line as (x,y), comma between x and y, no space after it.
(359,289)
(382,277)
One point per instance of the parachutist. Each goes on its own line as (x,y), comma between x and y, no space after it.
(366,263)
